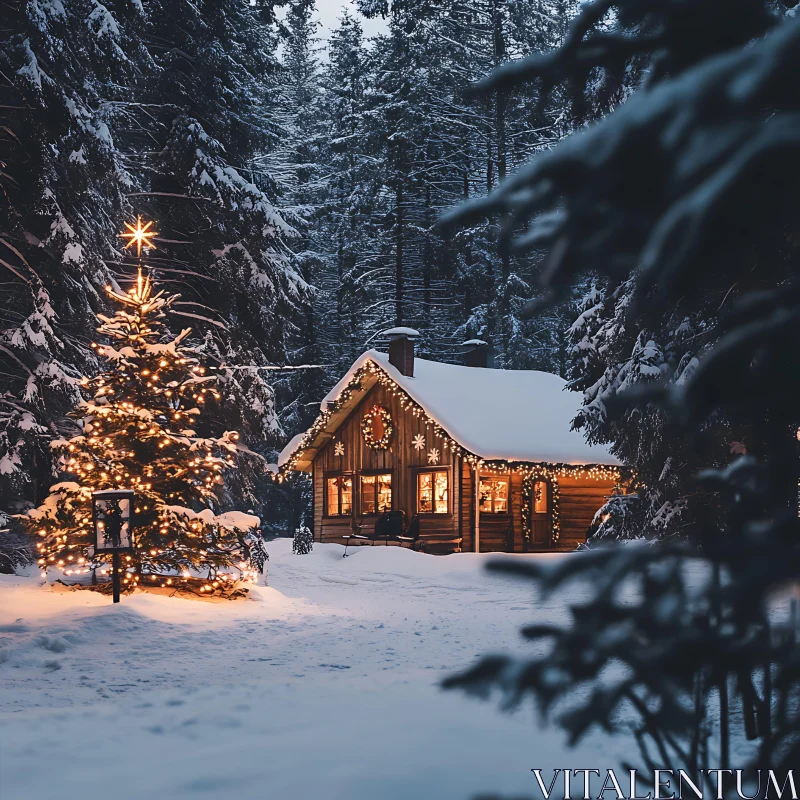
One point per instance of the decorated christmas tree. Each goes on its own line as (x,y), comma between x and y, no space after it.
(139,430)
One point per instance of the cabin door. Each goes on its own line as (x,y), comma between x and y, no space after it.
(540,501)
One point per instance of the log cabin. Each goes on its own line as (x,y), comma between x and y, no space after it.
(486,459)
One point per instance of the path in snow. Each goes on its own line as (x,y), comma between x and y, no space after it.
(327,687)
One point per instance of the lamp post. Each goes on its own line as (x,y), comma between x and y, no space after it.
(112,516)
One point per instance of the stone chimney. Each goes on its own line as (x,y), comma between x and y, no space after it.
(401,349)
(476,353)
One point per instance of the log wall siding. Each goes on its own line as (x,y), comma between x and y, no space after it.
(467,506)
(400,458)
(579,500)
(319,487)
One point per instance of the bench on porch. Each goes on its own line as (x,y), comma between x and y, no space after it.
(389,526)
(440,544)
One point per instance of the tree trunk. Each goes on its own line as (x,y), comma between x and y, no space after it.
(339,275)
(467,254)
(398,268)
(427,257)
(500,106)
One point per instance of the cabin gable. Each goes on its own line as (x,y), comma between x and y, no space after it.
(347,454)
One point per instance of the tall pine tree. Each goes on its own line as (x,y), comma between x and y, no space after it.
(166,106)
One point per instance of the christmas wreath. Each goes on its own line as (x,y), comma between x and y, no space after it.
(376,428)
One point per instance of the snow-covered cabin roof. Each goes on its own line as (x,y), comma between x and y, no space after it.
(508,415)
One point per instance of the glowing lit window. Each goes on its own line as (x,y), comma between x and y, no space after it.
(540,497)
(494,494)
(340,496)
(376,494)
(432,492)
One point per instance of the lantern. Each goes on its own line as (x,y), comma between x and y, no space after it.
(112,516)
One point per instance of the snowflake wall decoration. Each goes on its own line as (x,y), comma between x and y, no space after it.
(338,449)
(433,455)
(419,441)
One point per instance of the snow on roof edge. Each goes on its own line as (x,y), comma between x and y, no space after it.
(289,449)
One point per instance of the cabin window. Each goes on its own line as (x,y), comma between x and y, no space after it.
(433,490)
(339,496)
(376,493)
(540,497)
(494,494)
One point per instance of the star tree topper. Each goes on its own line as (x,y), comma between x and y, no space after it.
(141,235)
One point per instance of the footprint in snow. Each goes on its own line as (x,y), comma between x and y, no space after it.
(55,644)
(345,581)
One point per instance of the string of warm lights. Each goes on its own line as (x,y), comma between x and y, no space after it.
(530,472)
(529,478)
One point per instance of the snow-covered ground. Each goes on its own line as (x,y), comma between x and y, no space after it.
(325,687)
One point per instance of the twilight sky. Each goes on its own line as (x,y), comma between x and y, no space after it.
(330,10)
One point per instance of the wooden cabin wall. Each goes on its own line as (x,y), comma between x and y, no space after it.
(401,459)
(319,487)
(579,501)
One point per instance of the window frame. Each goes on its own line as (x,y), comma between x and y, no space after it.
(376,472)
(502,476)
(326,512)
(433,469)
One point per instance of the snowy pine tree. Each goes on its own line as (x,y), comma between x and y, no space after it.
(108,105)
(689,348)
(438,145)
(216,204)
(349,235)
(64,179)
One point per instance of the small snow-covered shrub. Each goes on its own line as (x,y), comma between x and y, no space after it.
(15,547)
(256,552)
(617,520)
(303,542)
